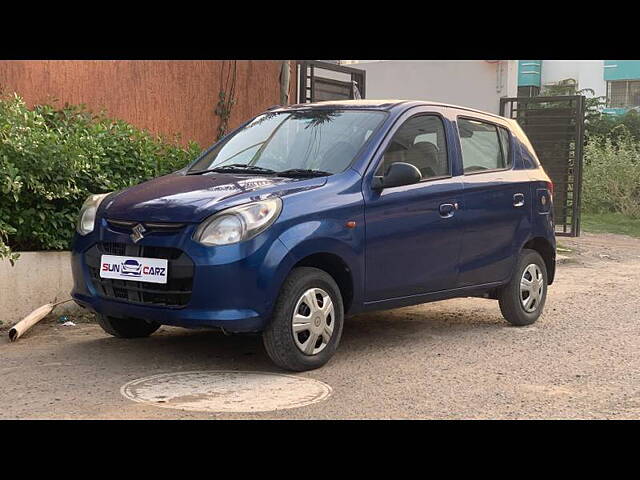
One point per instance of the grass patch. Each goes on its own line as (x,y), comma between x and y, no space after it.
(610,223)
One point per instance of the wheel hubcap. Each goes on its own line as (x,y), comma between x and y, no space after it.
(313,320)
(531,288)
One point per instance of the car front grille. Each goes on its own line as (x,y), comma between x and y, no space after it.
(175,293)
(126,226)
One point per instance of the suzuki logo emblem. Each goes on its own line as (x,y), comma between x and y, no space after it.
(137,234)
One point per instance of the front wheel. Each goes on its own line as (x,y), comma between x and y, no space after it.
(522,299)
(306,326)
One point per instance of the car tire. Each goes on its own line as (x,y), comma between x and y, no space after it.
(126,327)
(518,304)
(289,337)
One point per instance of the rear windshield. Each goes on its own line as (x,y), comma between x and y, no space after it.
(326,140)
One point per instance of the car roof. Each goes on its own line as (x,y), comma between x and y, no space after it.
(354,104)
(385,104)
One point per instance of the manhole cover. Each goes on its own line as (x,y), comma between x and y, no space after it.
(226,391)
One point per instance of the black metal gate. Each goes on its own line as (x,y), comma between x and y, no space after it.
(555,127)
(347,83)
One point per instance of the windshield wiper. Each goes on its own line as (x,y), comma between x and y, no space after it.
(303,172)
(236,167)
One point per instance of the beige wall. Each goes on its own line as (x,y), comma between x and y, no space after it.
(37,278)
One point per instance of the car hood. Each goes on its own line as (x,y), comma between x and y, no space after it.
(191,198)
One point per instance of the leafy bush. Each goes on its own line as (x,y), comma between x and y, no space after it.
(597,123)
(615,126)
(52,158)
(611,179)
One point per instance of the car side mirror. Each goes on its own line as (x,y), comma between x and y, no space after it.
(399,173)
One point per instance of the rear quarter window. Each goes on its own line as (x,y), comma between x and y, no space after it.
(527,160)
(527,152)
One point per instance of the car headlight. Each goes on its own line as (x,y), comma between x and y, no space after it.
(87,217)
(240,223)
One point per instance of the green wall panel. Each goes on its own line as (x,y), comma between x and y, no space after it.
(529,73)
(621,69)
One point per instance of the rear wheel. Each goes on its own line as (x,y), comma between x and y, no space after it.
(127,327)
(522,299)
(306,326)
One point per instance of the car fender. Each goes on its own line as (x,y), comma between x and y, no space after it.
(308,238)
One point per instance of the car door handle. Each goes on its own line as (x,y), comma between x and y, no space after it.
(518,200)
(447,210)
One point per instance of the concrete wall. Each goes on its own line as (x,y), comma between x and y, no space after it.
(37,278)
(588,73)
(472,83)
(162,96)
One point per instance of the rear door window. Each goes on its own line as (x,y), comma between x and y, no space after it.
(484,146)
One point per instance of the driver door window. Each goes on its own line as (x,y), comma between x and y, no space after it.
(421,142)
(483,147)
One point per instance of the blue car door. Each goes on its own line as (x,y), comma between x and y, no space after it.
(496,205)
(413,232)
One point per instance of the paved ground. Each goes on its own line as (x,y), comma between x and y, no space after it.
(453,359)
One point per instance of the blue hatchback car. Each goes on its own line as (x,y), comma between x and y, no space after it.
(310,213)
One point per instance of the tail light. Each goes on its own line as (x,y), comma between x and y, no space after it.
(550,187)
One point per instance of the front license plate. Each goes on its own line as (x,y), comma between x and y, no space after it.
(152,270)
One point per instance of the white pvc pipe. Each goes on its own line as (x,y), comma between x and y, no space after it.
(30,320)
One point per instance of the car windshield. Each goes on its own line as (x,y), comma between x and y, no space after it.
(314,140)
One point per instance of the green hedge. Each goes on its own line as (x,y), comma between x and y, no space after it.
(52,158)
(611,178)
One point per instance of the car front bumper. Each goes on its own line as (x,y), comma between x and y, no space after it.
(233,286)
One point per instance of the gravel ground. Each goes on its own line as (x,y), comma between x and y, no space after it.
(446,360)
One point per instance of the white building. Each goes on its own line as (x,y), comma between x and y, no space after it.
(472,83)
(586,73)
(481,83)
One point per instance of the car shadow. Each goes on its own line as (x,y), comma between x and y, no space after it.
(406,326)
(173,349)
